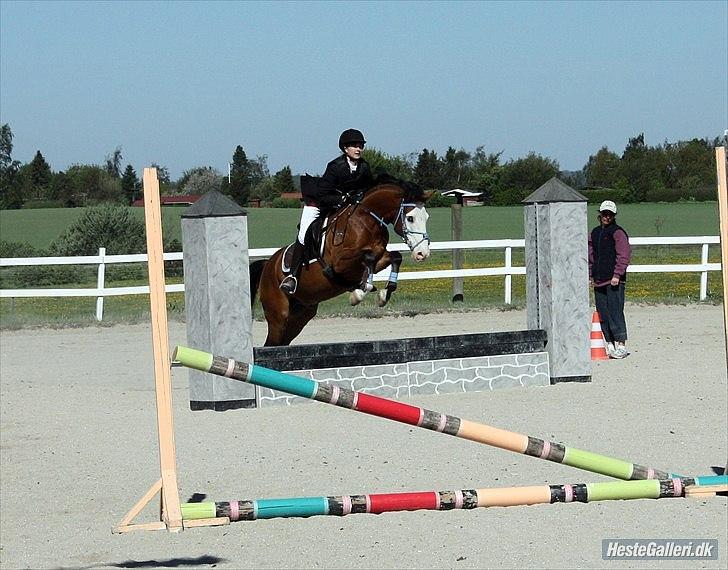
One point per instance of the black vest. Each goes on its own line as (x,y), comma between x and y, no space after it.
(605,252)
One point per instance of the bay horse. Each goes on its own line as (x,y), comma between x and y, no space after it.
(354,248)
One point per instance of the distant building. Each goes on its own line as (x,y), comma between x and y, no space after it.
(465,197)
(292,196)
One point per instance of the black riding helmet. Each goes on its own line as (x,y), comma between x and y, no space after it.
(350,136)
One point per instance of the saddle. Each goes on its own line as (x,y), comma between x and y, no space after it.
(313,252)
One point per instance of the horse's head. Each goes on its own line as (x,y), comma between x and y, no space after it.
(413,229)
(411,221)
(401,204)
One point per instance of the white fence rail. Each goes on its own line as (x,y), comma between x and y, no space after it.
(507,270)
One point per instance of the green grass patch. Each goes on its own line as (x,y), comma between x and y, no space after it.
(270,227)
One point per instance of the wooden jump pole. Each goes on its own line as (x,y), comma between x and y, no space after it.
(720,167)
(170,512)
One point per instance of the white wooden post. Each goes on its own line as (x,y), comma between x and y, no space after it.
(704,273)
(100,284)
(508,275)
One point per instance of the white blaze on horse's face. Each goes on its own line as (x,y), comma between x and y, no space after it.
(415,232)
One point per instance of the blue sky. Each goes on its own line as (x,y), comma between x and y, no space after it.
(182,83)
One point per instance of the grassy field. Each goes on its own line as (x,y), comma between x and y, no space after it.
(274,227)
(269,227)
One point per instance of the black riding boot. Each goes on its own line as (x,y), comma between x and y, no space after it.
(290,283)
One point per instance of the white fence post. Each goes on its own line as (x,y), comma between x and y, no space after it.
(508,275)
(704,274)
(100,284)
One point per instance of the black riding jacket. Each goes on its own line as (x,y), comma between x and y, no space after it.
(336,181)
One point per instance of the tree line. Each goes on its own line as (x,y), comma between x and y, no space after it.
(669,171)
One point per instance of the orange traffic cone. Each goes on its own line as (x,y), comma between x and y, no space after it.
(598,348)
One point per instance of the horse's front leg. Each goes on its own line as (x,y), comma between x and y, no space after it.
(393,258)
(367,282)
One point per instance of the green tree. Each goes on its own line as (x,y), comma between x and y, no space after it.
(428,170)
(162,173)
(383,163)
(283,182)
(62,190)
(485,171)
(113,163)
(643,168)
(522,176)
(129,184)
(11,196)
(166,187)
(455,168)
(240,177)
(691,164)
(199,180)
(602,170)
(92,185)
(245,174)
(38,175)
(262,191)
(258,169)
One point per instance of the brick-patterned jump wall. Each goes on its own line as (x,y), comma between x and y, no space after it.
(406,367)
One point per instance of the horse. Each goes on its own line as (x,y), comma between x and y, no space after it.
(353,248)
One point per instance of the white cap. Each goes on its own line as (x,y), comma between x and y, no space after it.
(609,206)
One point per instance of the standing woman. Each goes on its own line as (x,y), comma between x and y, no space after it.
(347,173)
(609,256)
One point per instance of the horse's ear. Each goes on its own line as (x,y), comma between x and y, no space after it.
(427,195)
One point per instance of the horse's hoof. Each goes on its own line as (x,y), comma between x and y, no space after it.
(382,298)
(356,297)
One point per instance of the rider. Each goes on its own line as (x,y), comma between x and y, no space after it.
(347,173)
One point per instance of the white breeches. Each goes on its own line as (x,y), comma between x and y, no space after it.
(309,214)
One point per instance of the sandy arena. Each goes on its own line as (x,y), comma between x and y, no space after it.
(79,448)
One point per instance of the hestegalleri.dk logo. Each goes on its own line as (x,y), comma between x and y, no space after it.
(660,548)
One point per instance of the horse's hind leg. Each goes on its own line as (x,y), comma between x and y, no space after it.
(298,317)
(395,259)
(276,326)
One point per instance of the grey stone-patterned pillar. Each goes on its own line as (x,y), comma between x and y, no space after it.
(557,277)
(217,297)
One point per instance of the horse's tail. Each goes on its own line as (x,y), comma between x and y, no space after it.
(256,270)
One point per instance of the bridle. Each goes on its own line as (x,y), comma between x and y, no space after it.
(403,224)
(399,218)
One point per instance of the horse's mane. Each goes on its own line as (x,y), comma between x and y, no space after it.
(412,192)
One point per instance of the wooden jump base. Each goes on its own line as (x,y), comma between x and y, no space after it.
(170,515)
(413,415)
(249,510)
(407,367)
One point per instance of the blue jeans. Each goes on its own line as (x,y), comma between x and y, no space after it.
(610,304)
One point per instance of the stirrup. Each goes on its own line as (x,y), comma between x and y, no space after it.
(289,285)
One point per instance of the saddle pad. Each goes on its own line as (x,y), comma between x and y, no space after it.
(286,259)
